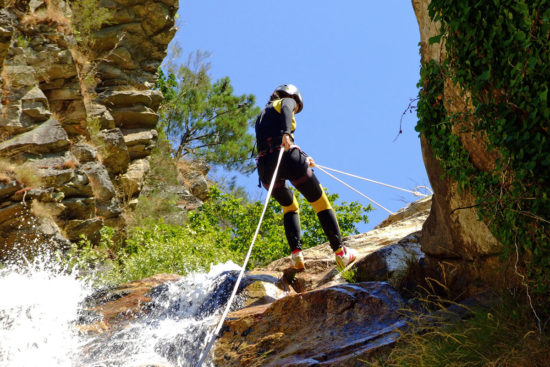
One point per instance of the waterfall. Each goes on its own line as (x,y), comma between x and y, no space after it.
(41,303)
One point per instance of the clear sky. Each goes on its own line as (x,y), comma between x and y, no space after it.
(356,63)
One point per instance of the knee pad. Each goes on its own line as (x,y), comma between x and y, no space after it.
(322,203)
(292,208)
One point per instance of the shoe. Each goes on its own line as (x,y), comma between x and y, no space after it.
(344,256)
(298,260)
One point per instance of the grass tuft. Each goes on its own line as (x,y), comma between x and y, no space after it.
(504,334)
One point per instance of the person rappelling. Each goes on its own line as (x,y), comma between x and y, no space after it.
(275,128)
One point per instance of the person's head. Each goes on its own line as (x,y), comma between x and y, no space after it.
(288,91)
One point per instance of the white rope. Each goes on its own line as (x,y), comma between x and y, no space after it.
(415,192)
(357,191)
(220,323)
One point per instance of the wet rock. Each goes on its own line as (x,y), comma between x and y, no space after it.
(113,308)
(327,327)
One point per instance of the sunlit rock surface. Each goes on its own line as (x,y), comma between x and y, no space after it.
(76,117)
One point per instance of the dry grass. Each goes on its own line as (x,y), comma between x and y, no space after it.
(25,175)
(5,179)
(504,334)
(45,210)
(7,167)
(52,15)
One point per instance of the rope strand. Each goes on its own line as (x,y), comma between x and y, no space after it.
(415,193)
(357,191)
(220,323)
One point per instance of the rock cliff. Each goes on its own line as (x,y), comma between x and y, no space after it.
(78,116)
(459,247)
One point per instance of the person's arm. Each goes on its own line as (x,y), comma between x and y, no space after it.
(287,110)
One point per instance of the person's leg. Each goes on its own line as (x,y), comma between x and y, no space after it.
(284,196)
(310,187)
(291,216)
(307,183)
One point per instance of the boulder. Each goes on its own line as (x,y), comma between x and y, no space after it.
(382,264)
(102,186)
(197,184)
(132,181)
(326,327)
(135,116)
(320,264)
(73,229)
(84,152)
(35,105)
(126,98)
(140,142)
(46,138)
(113,150)
(80,208)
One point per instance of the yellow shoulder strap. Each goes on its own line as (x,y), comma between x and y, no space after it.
(278,105)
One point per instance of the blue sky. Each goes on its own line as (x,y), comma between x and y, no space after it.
(356,63)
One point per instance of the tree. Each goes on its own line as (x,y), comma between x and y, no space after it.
(204,118)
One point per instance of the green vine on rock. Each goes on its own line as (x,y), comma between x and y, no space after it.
(497,52)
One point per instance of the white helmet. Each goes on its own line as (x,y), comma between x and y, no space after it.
(289,90)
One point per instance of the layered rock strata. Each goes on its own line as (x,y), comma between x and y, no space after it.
(80,119)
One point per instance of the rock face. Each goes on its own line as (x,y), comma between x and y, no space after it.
(329,322)
(314,319)
(458,245)
(81,119)
(327,327)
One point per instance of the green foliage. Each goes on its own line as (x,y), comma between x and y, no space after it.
(236,221)
(22,40)
(206,118)
(165,248)
(498,52)
(159,202)
(88,16)
(94,261)
(220,230)
(350,275)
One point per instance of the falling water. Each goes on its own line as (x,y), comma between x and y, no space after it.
(41,301)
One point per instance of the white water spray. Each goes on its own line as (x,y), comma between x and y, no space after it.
(40,302)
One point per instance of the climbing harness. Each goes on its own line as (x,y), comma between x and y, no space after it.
(326,169)
(224,315)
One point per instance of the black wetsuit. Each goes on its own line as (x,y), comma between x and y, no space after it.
(277,119)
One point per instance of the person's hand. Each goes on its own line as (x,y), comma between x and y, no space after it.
(310,162)
(286,142)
